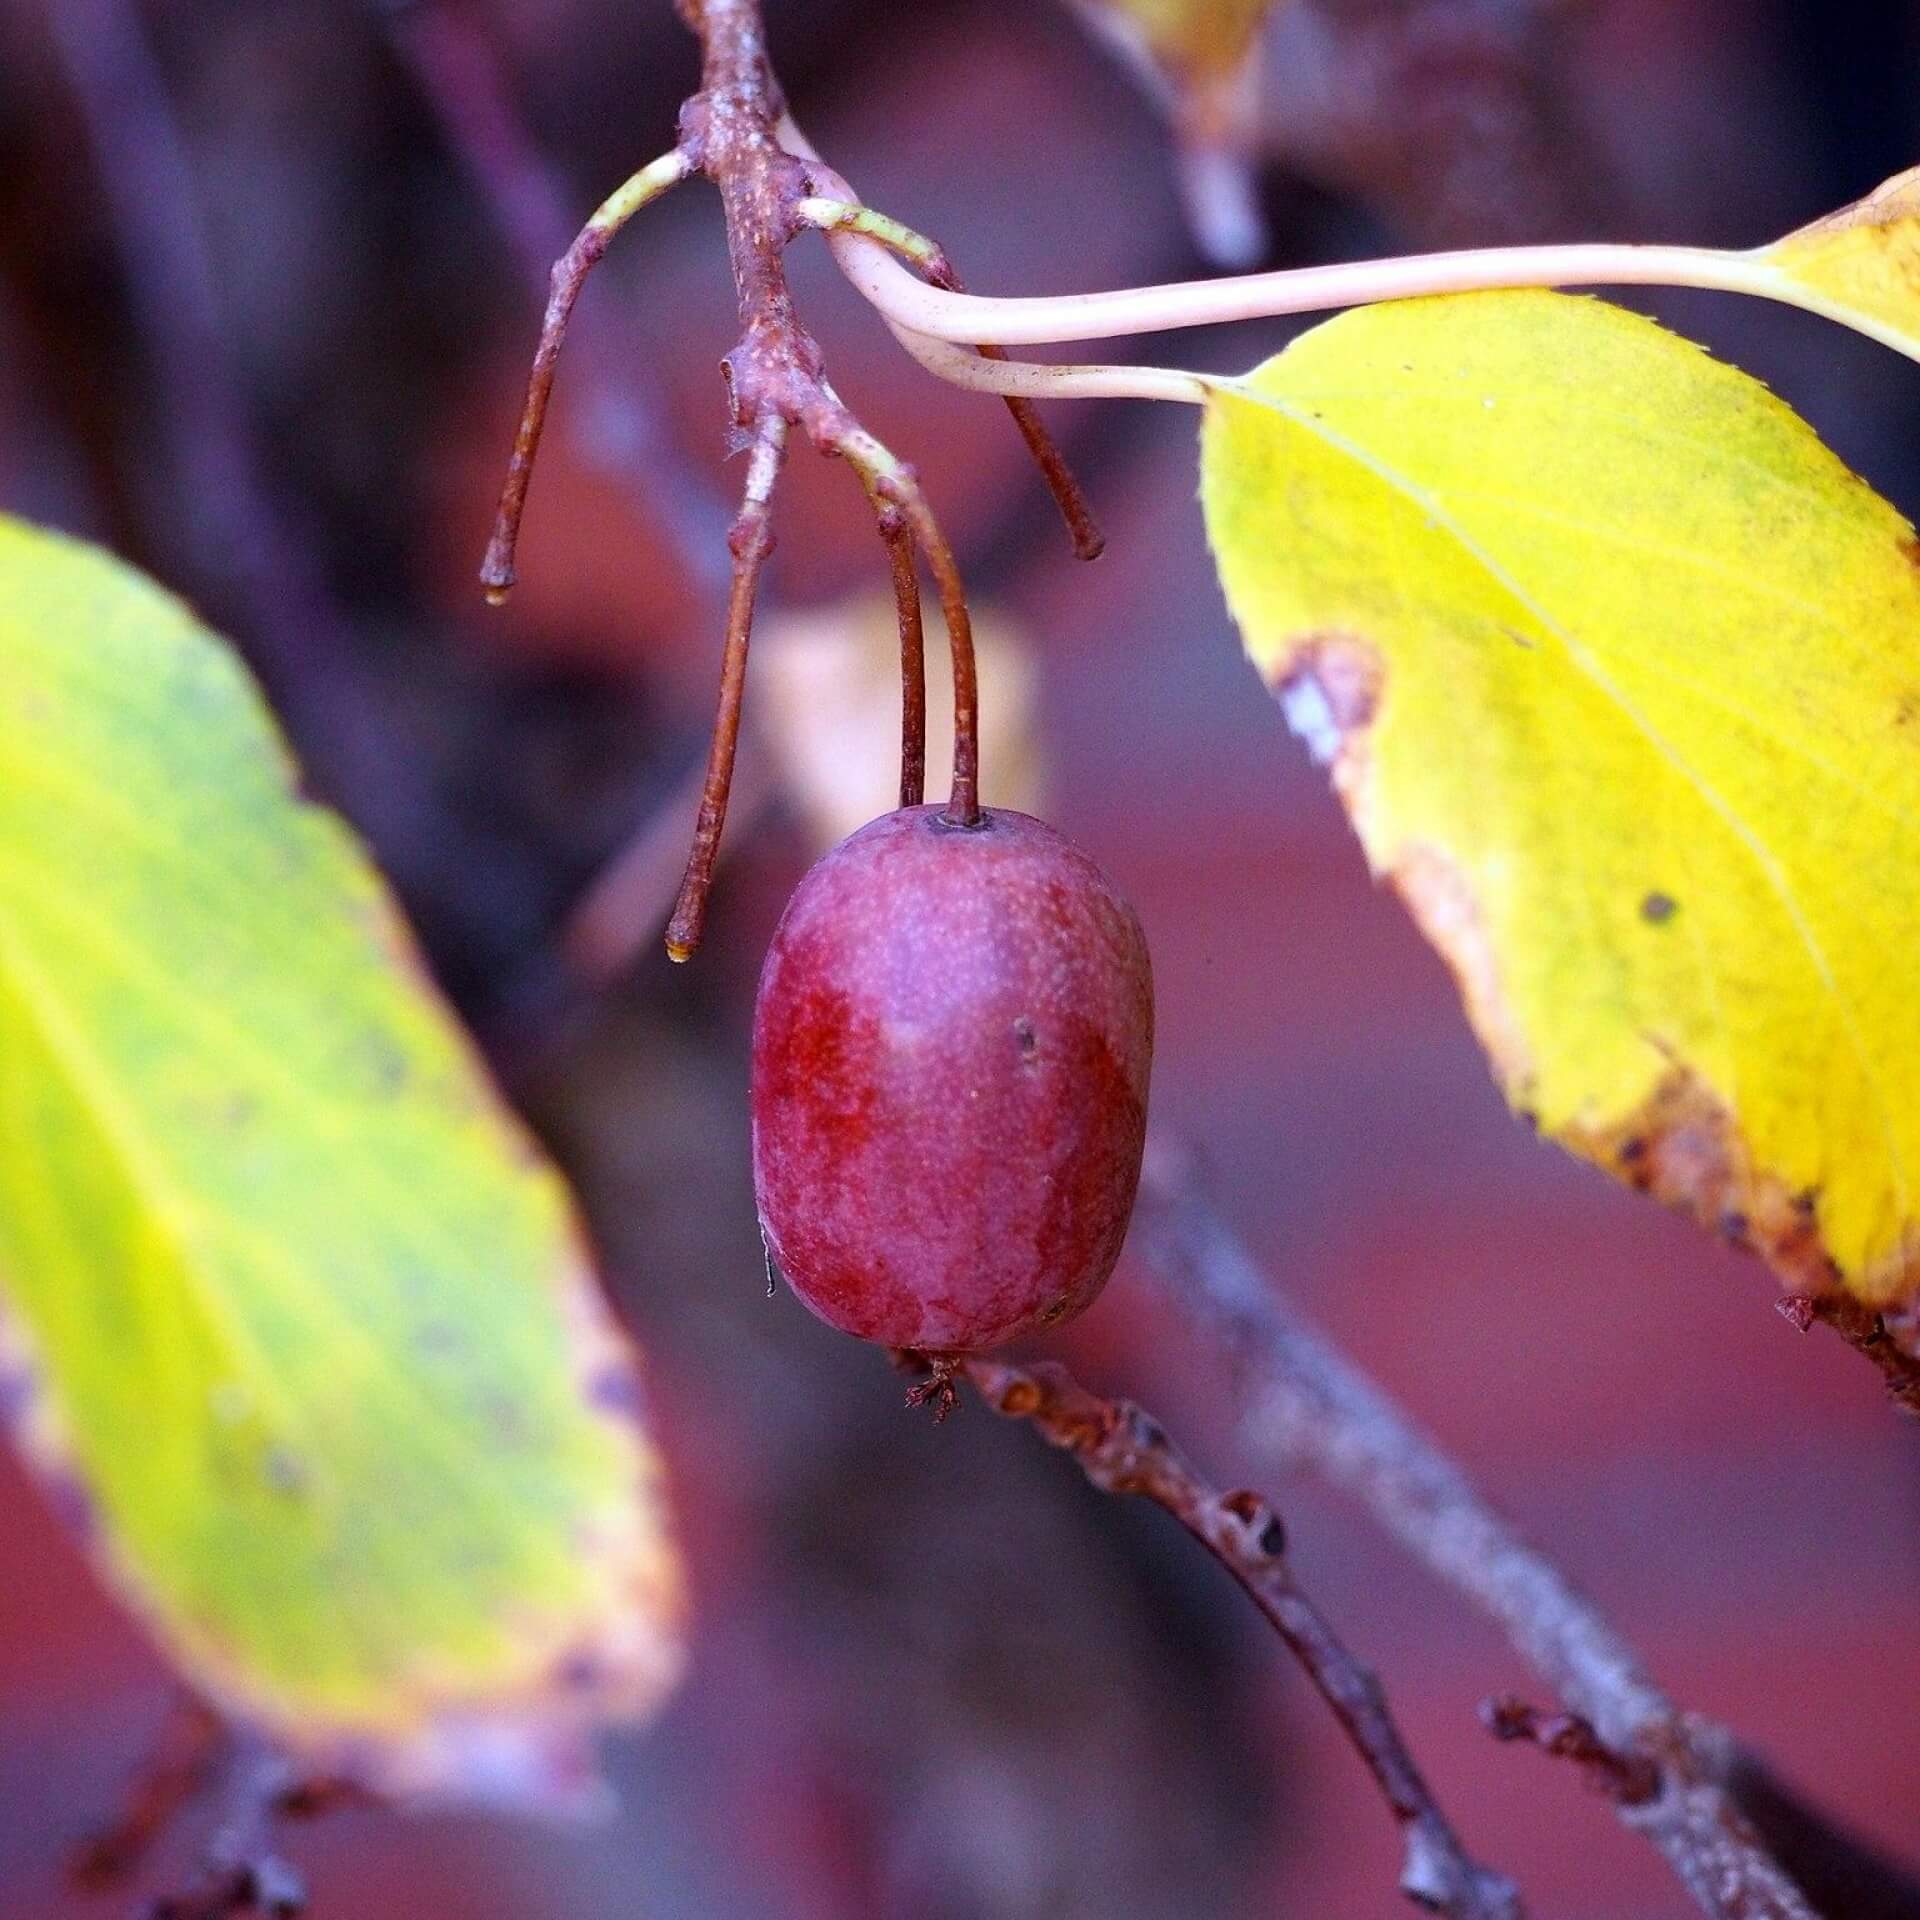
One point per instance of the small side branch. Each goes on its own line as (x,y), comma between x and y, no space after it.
(570,271)
(1123,1450)
(183,1764)
(1631,1779)
(458,70)
(845,216)
(240,1870)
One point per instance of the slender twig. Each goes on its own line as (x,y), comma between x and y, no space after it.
(1123,1450)
(913,655)
(570,273)
(1306,1400)
(1893,1348)
(240,1870)
(751,541)
(181,1765)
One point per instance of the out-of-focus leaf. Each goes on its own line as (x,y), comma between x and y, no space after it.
(829,704)
(1200,58)
(1190,42)
(296,1315)
(1618,670)
(1861,266)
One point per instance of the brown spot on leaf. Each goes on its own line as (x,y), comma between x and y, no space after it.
(1329,690)
(1658,908)
(1684,1147)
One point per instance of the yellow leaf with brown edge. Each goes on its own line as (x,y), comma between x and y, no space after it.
(1618,671)
(1860,266)
(291,1311)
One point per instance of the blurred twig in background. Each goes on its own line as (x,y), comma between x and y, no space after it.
(239,545)
(453,62)
(1305,1400)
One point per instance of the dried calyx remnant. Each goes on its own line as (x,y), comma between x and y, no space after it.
(730,130)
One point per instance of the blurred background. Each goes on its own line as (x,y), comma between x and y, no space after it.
(270,271)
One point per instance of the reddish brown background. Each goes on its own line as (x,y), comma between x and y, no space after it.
(932,1674)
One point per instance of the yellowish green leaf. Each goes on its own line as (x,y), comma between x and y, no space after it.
(1619,673)
(295,1313)
(1860,266)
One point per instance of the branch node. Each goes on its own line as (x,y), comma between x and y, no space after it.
(1631,1779)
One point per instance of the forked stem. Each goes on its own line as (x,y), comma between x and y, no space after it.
(893,481)
(751,541)
(570,271)
(734,131)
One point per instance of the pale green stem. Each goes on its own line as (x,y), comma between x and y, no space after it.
(933,324)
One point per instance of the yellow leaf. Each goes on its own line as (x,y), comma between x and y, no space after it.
(296,1314)
(1619,673)
(1860,266)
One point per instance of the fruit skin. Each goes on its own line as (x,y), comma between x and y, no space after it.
(951,1049)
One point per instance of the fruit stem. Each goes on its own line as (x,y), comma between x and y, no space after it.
(913,655)
(893,481)
(751,540)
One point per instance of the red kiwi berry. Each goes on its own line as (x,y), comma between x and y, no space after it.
(950,1058)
